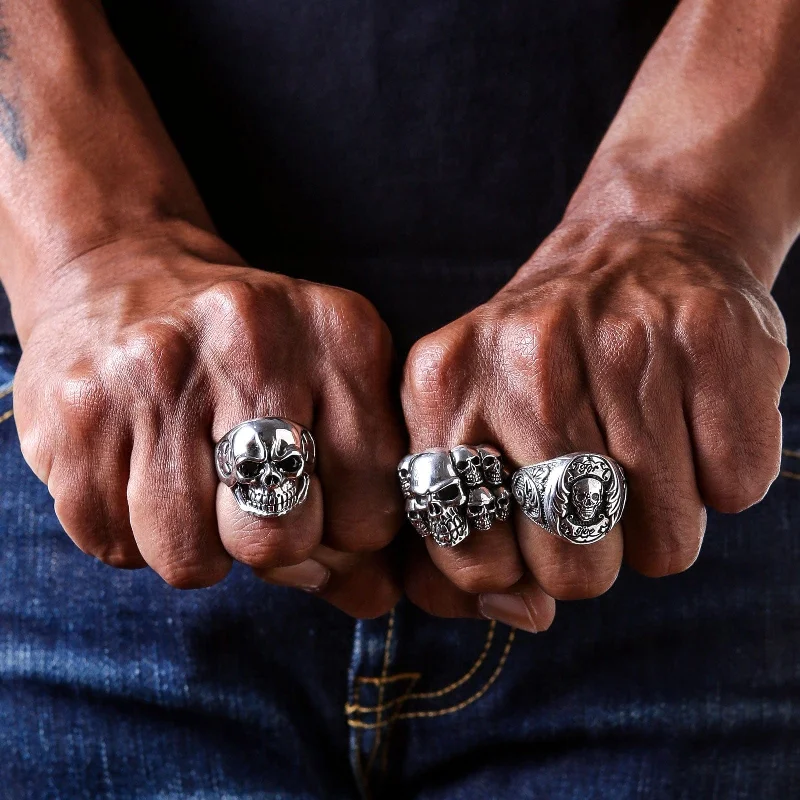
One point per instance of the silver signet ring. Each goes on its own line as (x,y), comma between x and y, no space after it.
(579,497)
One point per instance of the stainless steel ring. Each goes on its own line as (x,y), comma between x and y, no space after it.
(579,497)
(268,463)
(450,493)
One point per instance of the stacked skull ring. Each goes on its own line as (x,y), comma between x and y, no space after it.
(268,463)
(579,497)
(451,492)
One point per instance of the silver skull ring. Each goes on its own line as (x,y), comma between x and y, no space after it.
(268,463)
(449,493)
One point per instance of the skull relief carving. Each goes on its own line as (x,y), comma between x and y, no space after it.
(468,464)
(503,497)
(404,474)
(587,496)
(440,496)
(447,496)
(491,464)
(268,463)
(481,508)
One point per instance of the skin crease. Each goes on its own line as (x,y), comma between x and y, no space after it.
(642,327)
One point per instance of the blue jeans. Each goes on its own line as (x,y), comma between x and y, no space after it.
(114,685)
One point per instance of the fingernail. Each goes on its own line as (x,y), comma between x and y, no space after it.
(510,609)
(309,575)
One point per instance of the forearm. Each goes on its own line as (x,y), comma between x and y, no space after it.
(710,131)
(83,155)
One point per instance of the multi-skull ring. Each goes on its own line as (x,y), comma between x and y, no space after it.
(449,493)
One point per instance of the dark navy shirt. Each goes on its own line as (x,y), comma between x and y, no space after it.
(414,150)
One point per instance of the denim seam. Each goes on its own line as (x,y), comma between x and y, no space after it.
(416,675)
(387,646)
(442,711)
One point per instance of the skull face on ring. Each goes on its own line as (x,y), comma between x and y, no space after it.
(437,504)
(267,462)
(587,495)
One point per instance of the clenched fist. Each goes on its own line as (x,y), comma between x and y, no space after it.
(146,351)
(657,346)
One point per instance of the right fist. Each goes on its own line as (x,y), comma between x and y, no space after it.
(146,351)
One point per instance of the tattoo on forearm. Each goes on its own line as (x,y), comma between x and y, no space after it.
(10,121)
(11,129)
(5,40)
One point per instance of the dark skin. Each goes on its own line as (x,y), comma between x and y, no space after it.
(642,327)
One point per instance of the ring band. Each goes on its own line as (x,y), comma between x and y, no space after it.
(268,463)
(579,497)
(450,493)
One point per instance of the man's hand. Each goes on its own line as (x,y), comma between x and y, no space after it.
(650,343)
(148,350)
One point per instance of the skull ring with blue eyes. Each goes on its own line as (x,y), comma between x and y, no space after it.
(450,493)
(579,497)
(268,463)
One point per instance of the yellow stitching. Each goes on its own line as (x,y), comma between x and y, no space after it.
(444,711)
(464,678)
(793,475)
(791,453)
(400,676)
(386,650)
(7,391)
(439,692)
(6,415)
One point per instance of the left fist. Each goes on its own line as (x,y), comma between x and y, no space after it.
(658,348)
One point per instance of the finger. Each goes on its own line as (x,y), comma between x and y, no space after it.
(641,405)
(171,495)
(524,606)
(486,561)
(92,506)
(363,585)
(558,421)
(267,542)
(360,441)
(734,370)
(737,435)
(665,517)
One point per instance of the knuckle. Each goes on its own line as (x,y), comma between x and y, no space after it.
(235,310)
(35,451)
(577,581)
(707,326)
(436,365)
(352,325)
(230,300)
(263,548)
(120,555)
(677,559)
(82,399)
(475,577)
(739,492)
(625,345)
(157,359)
(182,575)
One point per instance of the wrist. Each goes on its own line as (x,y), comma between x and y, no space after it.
(668,196)
(147,252)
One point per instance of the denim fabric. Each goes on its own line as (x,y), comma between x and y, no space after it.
(113,685)
(416,152)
